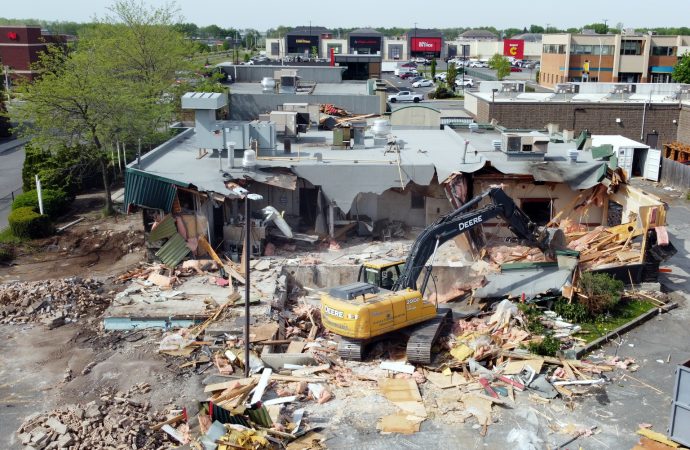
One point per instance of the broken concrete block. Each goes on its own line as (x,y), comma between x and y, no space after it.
(54,322)
(56,425)
(35,306)
(24,438)
(65,440)
(92,411)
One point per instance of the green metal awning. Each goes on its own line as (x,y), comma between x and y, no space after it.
(581,139)
(173,251)
(150,191)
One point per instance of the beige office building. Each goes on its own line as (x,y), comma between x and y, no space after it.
(625,58)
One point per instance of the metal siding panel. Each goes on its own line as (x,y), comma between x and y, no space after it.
(173,251)
(149,191)
(164,230)
(651,167)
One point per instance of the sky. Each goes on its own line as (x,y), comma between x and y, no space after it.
(264,14)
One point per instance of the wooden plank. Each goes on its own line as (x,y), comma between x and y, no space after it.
(296,347)
(310,370)
(658,437)
(227,384)
(263,384)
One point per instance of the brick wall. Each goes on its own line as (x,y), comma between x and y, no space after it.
(684,125)
(597,118)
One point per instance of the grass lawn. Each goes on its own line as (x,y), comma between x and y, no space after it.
(625,311)
(6,237)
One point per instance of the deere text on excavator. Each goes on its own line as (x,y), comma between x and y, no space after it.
(363,311)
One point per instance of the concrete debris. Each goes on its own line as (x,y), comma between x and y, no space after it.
(114,420)
(51,302)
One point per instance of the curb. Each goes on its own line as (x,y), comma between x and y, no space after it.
(624,328)
(11,145)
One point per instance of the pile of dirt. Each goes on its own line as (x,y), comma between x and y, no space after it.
(116,420)
(53,302)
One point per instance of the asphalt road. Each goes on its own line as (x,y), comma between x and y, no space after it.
(11,162)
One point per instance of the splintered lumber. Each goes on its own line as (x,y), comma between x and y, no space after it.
(278,377)
(235,392)
(551,360)
(656,436)
(261,387)
(203,243)
(227,384)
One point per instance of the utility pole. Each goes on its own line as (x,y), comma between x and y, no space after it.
(606,27)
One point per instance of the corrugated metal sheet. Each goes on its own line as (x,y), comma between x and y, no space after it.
(173,251)
(151,191)
(164,230)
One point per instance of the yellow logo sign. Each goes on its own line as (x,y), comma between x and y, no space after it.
(513,50)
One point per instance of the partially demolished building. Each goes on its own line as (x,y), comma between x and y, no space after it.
(366,178)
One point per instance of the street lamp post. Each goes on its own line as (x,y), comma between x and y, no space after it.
(248,252)
(601,48)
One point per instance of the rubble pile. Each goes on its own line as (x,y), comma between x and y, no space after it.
(116,420)
(52,302)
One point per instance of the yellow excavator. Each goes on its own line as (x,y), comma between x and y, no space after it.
(370,308)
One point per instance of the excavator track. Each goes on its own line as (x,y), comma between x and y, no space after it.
(425,335)
(350,349)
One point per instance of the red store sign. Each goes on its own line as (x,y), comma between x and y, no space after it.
(426,44)
(12,36)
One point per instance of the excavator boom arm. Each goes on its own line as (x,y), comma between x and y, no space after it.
(461,221)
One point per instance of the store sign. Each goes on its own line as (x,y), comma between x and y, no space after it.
(514,48)
(302,41)
(426,44)
(366,42)
(12,36)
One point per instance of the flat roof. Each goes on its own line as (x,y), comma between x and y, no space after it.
(345,173)
(344,88)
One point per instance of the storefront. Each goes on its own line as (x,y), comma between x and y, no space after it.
(425,44)
(365,42)
(306,42)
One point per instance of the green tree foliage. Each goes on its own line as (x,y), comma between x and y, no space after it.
(65,168)
(115,85)
(501,65)
(510,32)
(536,29)
(681,72)
(188,29)
(599,28)
(4,119)
(451,74)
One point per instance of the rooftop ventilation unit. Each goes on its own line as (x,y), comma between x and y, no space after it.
(624,89)
(513,87)
(567,88)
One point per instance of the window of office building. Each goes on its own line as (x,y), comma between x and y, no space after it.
(592,49)
(664,51)
(275,48)
(631,47)
(554,49)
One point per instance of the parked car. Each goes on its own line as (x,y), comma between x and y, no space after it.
(406,96)
(409,74)
(478,64)
(420,60)
(409,64)
(422,83)
(466,83)
(515,69)
(441,76)
(415,79)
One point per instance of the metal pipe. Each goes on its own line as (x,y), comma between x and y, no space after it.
(247,250)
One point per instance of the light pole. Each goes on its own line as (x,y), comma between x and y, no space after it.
(415,37)
(248,252)
(601,48)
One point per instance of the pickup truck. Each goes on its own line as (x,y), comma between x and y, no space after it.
(406,96)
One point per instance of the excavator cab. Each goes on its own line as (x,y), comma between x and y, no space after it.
(381,272)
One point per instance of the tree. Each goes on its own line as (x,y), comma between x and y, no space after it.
(510,32)
(115,85)
(599,28)
(433,68)
(536,29)
(451,74)
(681,72)
(501,65)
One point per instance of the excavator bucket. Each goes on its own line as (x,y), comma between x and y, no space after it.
(552,241)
